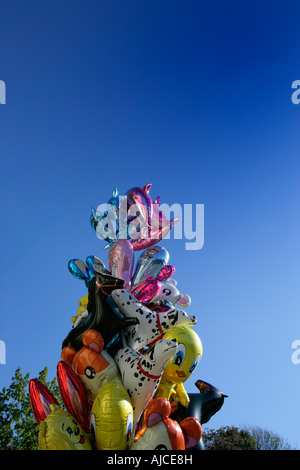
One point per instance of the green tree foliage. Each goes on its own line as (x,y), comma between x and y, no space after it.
(18,428)
(228,438)
(267,440)
(248,438)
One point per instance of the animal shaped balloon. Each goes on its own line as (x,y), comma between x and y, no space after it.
(101,317)
(111,408)
(112,418)
(141,374)
(202,405)
(93,365)
(85,271)
(150,326)
(160,432)
(169,292)
(181,365)
(59,430)
(82,312)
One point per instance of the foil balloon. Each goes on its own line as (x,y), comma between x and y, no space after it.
(40,400)
(181,365)
(105,223)
(101,317)
(204,404)
(85,271)
(90,260)
(60,431)
(160,432)
(121,261)
(82,312)
(168,292)
(159,228)
(141,373)
(73,394)
(138,196)
(150,263)
(93,365)
(114,200)
(112,418)
(146,290)
(147,325)
(151,287)
(78,269)
(165,272)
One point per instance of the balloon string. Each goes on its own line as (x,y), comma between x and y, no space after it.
(101,286)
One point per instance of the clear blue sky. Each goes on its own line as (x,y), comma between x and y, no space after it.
(195,98)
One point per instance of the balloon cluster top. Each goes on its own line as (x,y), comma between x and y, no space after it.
(133,216)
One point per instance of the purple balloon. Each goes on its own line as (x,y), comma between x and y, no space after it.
(121,261)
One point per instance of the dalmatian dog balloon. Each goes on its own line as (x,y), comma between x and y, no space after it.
(149,326)
(141,374)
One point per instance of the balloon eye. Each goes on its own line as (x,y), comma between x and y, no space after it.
(180,354)
(129,426)
(69,430)
(166,291)
(76,432)
(195,363)
(161,447)
(90,372)
(179,358)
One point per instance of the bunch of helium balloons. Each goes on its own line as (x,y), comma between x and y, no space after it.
(131,347)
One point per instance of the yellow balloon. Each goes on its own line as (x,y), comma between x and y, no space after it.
(180,366)
(112,418)
(60,431)
(83,303)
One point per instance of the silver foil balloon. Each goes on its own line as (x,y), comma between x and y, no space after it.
(150,263)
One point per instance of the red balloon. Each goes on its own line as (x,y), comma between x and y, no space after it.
(40,400)
(73,394)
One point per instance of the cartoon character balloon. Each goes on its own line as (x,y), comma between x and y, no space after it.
(181,365)
(59,430)
(160,432)
(149,326)
(93,365)
(141,374)
(112,418)
(111,408)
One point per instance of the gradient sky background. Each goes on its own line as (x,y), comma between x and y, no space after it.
(195,98)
